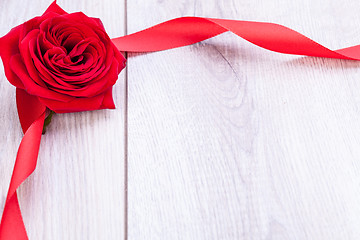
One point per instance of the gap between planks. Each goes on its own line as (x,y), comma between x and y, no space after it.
(126,132)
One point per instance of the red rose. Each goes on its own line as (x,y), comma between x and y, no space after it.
(66,60)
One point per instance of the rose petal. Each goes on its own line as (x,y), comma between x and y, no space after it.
(99,23)
(34,23)
(8,47)
(121,59)
(108,102)
(55,8)
(27,58)
(30,86)
(90,90)
(76,105)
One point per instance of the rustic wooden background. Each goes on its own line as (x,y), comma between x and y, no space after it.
(219,140)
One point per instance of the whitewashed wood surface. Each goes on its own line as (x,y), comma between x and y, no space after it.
(230,141)
(224,140)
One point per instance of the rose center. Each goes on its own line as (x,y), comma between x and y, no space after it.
(74,59)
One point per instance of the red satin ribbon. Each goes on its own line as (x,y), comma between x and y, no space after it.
(171,34)
(184,31)
(31,114)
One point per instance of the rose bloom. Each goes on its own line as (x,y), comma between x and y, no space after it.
(66,60)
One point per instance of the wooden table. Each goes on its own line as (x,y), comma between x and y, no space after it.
(218,140)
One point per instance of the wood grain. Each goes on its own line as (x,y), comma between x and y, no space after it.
(77,190)
(225,140)
(230,141)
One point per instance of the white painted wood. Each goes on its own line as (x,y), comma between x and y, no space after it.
(76,191)
(230,141)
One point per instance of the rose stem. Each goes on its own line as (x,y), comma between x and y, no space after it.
(47,121)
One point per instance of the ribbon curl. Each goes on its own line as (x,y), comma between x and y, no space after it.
(167,35)
(185,31)
(32,115)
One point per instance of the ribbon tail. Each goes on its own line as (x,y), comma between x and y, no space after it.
(31,115)
(185,31)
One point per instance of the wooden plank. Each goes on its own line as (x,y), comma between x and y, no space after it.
(230,141)
(76,191)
